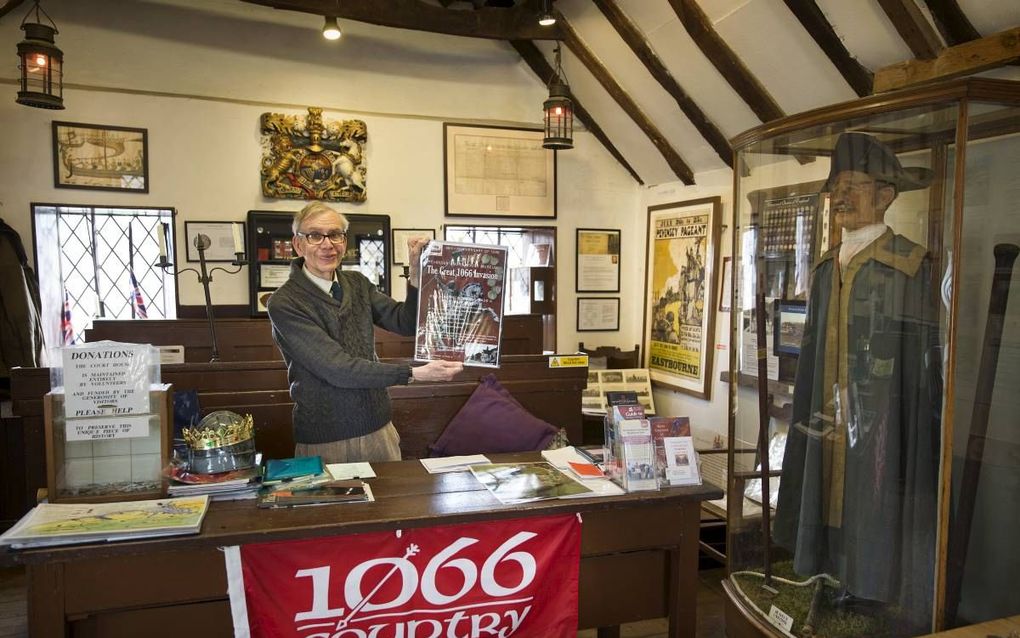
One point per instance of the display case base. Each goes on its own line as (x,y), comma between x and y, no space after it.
(743,621)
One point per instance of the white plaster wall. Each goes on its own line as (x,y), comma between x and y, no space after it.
(199,75)
(707,417)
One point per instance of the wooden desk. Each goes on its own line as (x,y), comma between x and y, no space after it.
(639,556)
(421,410)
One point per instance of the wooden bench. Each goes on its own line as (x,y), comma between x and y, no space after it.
(735,513)
(252,339)
(420,411)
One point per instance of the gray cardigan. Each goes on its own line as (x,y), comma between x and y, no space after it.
(336,380)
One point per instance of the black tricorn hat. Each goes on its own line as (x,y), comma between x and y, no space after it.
(866,154)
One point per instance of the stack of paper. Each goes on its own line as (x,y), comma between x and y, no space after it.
(579,466)
(453,463)
(224,486)
(285,495)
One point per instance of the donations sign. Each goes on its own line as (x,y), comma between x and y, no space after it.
(502,578)
(106,379)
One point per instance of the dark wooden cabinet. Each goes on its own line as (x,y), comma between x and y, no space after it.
(270,235)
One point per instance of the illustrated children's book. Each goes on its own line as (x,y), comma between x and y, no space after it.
(63,524)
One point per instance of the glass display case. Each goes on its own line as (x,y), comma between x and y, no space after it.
(269,238)
(876,347)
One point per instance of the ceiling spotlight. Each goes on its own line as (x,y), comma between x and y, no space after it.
(331,28)
(546,18)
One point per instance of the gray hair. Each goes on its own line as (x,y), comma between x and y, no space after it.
(313,209)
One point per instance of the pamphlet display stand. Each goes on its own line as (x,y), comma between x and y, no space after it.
(93,461)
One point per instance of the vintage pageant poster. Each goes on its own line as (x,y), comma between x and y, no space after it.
(681,283)
(460,303)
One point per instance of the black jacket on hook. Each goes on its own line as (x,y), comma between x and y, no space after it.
(21,335)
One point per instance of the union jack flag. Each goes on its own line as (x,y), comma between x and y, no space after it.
(66,327)
(136,299)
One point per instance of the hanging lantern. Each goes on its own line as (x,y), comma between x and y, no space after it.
(559,112)
(41,64)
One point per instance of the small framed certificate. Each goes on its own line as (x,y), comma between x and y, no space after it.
(598,314)
(598,260)
(273,275)
(225,239)
(400,239)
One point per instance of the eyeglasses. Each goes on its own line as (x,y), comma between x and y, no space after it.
(334,236)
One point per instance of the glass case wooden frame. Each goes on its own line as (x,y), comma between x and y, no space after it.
(967,134)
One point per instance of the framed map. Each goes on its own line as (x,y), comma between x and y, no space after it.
(498,172)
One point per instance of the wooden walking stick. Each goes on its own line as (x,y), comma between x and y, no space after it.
(1005,255)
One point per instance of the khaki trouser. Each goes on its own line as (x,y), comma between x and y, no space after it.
(381,445)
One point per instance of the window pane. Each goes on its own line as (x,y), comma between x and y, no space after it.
(95,251)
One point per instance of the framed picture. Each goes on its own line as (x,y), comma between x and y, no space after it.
(273,275)
(100,157)
(598,314)
(598,260)
(680,287)
(262,300)
(790,316)
(225,239)
(725,297)
(400,238)
(491,171)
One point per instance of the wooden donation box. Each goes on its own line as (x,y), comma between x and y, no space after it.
(108,426)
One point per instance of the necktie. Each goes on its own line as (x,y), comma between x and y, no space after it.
(336,291)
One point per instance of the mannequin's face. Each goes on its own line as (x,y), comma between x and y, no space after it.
(859,201)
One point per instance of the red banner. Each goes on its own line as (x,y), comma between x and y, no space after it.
(503,578)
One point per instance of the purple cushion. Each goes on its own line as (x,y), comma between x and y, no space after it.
(492,421)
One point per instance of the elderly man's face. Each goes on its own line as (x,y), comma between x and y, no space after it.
(322,259)
(858,200)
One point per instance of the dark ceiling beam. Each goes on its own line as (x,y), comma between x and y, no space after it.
(726,61)
(601,73)
(517,23)
(818,27)
(918,34)
(952,22)
(639,45)
(534,59)
(963,59)
(9,6)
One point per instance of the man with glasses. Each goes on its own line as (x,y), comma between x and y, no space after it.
(859,479)
(323,321)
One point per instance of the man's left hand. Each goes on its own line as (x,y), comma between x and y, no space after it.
(414,247)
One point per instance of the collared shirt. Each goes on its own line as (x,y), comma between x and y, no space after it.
(325,284)
(855,240)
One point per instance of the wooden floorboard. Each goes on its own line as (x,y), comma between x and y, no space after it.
(14,623)
(13,606)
